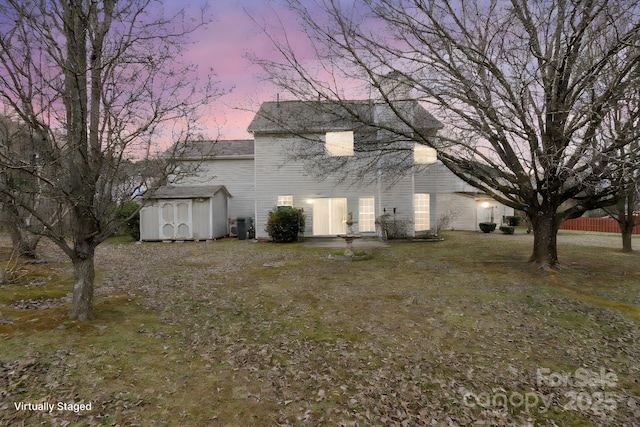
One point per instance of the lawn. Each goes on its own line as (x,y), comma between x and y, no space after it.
(237,333)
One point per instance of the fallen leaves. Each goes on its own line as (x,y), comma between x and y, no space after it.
(275,335)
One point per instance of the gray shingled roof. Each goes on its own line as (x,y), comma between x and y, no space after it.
(319,116)
(213,149)
(188,192)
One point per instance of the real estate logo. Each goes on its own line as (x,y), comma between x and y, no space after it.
(581,390)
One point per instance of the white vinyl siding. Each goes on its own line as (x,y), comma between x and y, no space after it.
(421,211)
(277,175)
(366,215)
(237,175)
(460,209)
(285,201)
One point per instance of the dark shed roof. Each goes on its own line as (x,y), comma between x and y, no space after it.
(200,150)
(188,192)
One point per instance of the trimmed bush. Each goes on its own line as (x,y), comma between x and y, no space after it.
(507,229)
(285,224)
(487,227)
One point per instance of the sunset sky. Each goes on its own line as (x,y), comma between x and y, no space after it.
(223,46)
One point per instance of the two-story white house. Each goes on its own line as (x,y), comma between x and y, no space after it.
(315,156)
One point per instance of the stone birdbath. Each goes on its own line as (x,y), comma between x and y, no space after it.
(350,236)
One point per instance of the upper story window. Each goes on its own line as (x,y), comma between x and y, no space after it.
(339,143)
(424,155)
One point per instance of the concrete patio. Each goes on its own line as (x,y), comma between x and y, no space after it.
(338,242)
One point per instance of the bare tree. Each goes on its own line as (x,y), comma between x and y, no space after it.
(99,82)
(14,219)
(625,212)
(624,125)
(523,89)
(621,125)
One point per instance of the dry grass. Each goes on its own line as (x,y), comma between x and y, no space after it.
(238,333)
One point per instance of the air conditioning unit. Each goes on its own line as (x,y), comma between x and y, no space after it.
(233,227)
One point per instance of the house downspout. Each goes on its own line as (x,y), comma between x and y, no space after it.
(413,203)
(433,211)
(378,199)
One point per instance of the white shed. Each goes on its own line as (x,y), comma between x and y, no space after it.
(185,213)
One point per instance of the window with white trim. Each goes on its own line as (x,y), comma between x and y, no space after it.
(339,143)
(285,201)
(421,211)
(366,215)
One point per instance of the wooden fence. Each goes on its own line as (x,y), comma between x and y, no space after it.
(605,225)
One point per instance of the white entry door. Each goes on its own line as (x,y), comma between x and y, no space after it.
(329,216)
(175,219)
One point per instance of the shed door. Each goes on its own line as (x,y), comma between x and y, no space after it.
(329,216)
(175,219)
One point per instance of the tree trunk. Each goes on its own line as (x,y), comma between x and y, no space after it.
(545,228)
(626,220)
(626,240)
(84,275)
(626,224)
(24,243)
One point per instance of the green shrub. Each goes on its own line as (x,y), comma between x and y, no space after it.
(507,229)
(285,224)
(487,227)
(129,216)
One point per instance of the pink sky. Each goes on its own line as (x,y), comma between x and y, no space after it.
(223,46)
